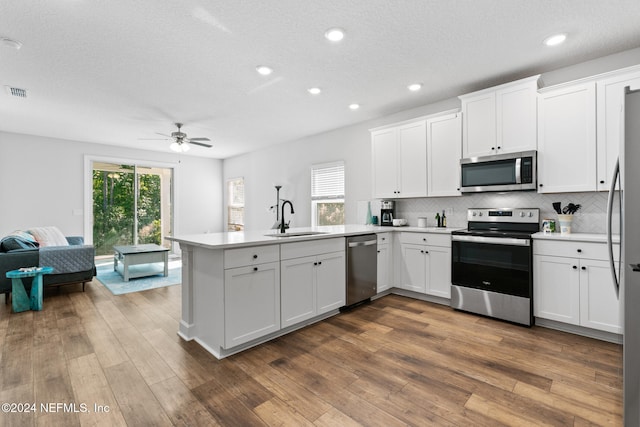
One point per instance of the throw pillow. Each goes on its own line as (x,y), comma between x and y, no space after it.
(49,236)
(18,240)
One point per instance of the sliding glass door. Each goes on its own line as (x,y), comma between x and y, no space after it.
(132,205)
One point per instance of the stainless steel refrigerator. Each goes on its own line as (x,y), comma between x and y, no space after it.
(628,275)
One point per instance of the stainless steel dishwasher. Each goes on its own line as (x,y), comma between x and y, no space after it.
(362,268)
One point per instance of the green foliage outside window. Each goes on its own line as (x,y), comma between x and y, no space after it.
(113,209)
(330,213)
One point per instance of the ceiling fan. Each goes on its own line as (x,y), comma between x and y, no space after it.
(181,142)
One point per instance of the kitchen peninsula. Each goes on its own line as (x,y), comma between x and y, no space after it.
(240,289)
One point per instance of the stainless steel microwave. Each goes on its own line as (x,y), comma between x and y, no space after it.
(501,172)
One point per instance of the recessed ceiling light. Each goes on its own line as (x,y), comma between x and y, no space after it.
(314,90)
(415,87)
(11,43)
(555,40)
(264,70)
(334,34)
(354,106)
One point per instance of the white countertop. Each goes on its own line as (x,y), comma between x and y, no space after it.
(237,239)
(576,237)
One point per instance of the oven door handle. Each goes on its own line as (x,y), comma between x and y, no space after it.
(492,240)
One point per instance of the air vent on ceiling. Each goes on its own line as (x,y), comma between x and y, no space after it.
(16,91)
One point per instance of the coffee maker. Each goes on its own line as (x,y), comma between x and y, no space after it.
(387,212)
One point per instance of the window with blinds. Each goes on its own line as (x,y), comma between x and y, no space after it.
(327,194)
(235,204)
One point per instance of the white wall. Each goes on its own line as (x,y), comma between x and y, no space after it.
(42,183)
(288,164)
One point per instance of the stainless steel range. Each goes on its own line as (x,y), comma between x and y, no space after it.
(492,264)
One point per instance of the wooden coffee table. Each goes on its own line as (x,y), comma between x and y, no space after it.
(139,254)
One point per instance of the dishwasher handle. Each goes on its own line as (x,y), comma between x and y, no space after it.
(365,243)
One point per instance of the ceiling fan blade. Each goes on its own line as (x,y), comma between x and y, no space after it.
(199,139)
(162,134)
(152,139)
(191,141)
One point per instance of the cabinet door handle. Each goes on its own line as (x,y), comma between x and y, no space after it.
(602,181)
(378,251)
(315,263)
(320,263)
(499,147)
(579,251)
(583,267)
(575,267)
(255,256)
(255,268)
(540,185)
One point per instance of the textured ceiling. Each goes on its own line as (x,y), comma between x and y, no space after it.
(115,71)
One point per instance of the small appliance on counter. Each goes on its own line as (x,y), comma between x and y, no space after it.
(387,212)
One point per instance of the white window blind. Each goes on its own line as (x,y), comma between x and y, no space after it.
(327,181)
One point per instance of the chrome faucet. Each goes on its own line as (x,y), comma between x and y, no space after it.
(283,224)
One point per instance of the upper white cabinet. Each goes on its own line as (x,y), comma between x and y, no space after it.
(610,99)
(567,139)
(444,150)
(500,119)
(400,161)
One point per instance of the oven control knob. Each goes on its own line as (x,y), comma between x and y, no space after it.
(530,214)
(479,213)
(473,213)
(521,214)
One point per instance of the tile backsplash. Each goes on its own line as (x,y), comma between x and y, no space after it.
(591,218)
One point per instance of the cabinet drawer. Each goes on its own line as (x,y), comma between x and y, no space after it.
(251,256)
(311,248)
(586,250)
(426,239)
(384,238)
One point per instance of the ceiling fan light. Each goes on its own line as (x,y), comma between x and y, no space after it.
(185,147)
(175,147)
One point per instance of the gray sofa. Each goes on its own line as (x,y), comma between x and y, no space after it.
(71,264)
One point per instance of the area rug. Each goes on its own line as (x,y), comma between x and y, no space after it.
(113,281)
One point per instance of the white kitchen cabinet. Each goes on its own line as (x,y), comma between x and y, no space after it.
(414,267)
(501,119)
(252,302)
(567,139)
(385,262)
(610,100)
(444,150)
(298,290)
(573,284)
(557,289)
(399,155)
(599,306)
(426,263)
(313,281)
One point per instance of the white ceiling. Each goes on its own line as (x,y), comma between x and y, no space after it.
(115,71)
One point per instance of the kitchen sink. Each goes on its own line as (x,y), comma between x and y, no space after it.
(301,233)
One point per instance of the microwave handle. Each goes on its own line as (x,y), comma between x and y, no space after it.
(519,170)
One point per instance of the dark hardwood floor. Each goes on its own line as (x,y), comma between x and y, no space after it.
(394,362)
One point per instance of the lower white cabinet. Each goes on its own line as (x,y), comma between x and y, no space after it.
(385,262)
(426,263)
(251,302)
(573,284)
(311,285)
